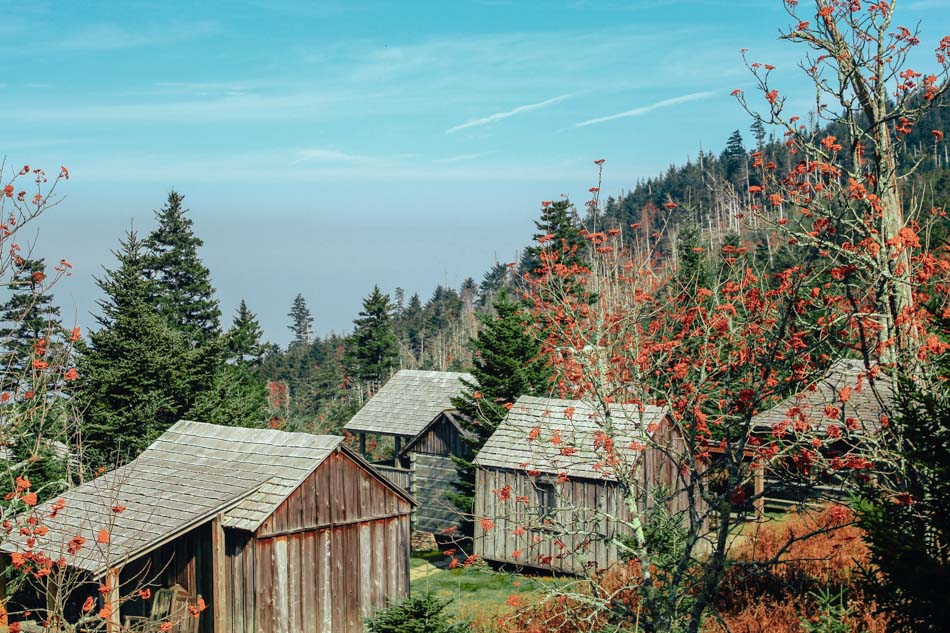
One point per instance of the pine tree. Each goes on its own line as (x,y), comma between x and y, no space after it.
(245,345)
(181,289)
(375,351)
(27,316)
(507,365)
(133,377)
(301,322)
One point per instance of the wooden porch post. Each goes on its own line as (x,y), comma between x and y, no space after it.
(362,444)
(758,478)
(398,440)
(114,600)
(4,561)
(219,581)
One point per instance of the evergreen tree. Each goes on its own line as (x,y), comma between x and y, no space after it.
(507,365)
(493,281)
(236,398)
(27,316)
(134,378)
(558,224)
(301,322)
(412,325)
(181,289)
(908,532)
(374,343)
(693,269)
(734,159)
(245,346)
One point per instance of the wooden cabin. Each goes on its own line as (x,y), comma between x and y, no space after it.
(547,497)
(277,532)
(846,390)
(415,409)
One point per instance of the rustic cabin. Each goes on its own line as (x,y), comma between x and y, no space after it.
(275,532)
(547,495)
(843,400)
(415,409)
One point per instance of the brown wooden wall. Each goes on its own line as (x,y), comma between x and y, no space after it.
(185,561)
(339,491)
(583,506)
(579,517)
(442,438)
(328,557)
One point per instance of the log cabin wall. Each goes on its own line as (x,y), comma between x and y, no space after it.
(330,555)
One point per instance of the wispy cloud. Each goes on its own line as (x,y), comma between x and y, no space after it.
(665,103)
(106,36)
(463,157)
(498,116)
(321,155)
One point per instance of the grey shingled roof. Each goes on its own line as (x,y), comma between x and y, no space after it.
(408,402)
(862,405)
(510,447)
(186,477)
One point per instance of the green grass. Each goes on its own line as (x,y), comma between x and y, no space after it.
(476,592)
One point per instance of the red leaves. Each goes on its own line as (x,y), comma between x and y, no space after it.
(825,11)
(145,594)
(75,545)
(71,374)
(486,524)
(938,135)
(103,536)
(29,499)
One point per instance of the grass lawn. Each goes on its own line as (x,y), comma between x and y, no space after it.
(477,592)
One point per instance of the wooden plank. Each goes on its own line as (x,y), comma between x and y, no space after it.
(326,574)
(758,475)
(280,587)
(113,599)
(220,607)
(365,553)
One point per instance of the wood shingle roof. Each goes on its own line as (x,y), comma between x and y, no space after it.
(191,473)
(408,402)
(576,425)
(864,404)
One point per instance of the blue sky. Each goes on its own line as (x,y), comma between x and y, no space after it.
(327,146)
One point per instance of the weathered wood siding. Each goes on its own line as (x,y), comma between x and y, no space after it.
(441,438)
(582,536)
(433,477)
(329,556)
(185,561)
(402,477)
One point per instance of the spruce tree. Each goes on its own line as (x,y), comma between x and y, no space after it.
(133,377)
(301,322)
(245,345)
(507,365)
(181,289)
(557,224)
(27,316)
(374,346)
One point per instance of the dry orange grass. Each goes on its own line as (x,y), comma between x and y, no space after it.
(771,600)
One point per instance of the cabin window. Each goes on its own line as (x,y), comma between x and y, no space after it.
(546,501)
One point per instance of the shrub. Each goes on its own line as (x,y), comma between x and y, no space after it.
(416,614)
